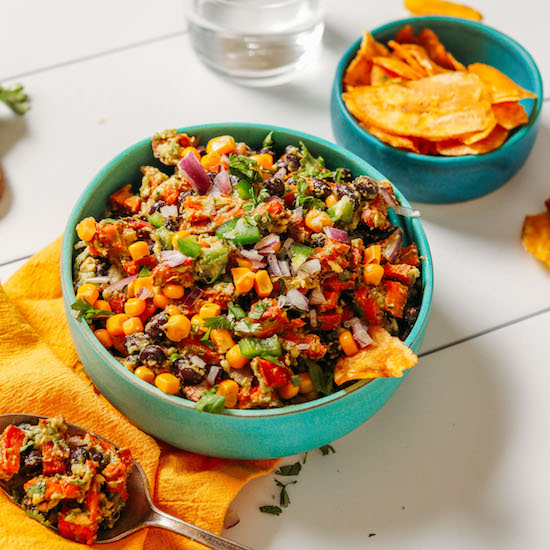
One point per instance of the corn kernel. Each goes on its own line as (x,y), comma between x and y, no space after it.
(197,323)
(317,219)
(177,328)
(223,145)
(222,339)
(265,161)
(209,309)
(348,344)
(192,150)
(86,229)
(142,282)
(306,385)
(130,290)
(262,283)
(372,274)
(230,390)
(132,325)
(104,337)
(235,358)
(172,310)
(161,301)
(210,161)
(173,291)
(331,200)
(114,324)
(373,254)
(243,279)
(242,262)
(145,373)
(138,250)
(179,235)
(88,292)
(134,307)
(102,304)
(288,391)
(167,383)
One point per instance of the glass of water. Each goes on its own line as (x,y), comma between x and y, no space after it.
(257,42)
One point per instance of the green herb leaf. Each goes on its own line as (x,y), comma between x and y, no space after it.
(206,336)
(144,271)
(275,510)
(218,322)
(327,449)
(244,168)
(271,359)
(174,356)
(289,470)
(246,327)
(259,309)
(88,311)
(236,310)
(311,166)
(35,514)
(268,140)
(321,380)
(296,380)
(211,402)
(15,98)
(284,499)
(38,488)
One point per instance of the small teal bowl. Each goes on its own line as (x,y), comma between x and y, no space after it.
(244,434)
(437,179)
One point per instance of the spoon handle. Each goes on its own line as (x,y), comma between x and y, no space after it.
(160,519)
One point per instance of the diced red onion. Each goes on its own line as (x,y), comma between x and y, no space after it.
(215,191)
(313,317)
(196,360)
(406,211)
(222,181)
(254,256)
(193,171)
(280,173)
(274,265)
(297,299)
(195,294)
(360,334)
(297,214)
(317,297)
(172,258)
(224,158)
(120,284)
(388,197)
(287,243)
(212,375)
(303,346)
(281,302)
(336,234)
(392,245)
(169,211)
(284,267)
(98,280)
(272,198)
(311,267)
(144,293)
(267,244)
(231,519)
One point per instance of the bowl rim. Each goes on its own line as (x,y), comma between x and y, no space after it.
(475,26)
(66,272)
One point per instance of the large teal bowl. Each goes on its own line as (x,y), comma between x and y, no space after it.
(246,434)
(436,179)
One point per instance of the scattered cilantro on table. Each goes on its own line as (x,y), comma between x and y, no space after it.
(15,98)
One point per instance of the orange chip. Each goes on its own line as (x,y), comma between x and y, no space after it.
(535,236)
(429,40)
(399,67)
(421,56)
(474,137)
(386,357)
(406,36)
(455,148)
(358,71)
(437,107)
(401,142)
(407,56)
(501,88)
(379,75)
(440,7)
(510,114)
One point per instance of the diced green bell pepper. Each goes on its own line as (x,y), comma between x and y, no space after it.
(342,211)
(157,219)
(189,247)
(245,190)
(165,238)
(299,254)
(259,347)
(239,231)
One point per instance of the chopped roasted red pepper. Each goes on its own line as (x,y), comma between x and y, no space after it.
(10,443)
(371,310)
(396,298)
(328,321)
(409,255)
(133,267)
(331,301)
(402,273)
(80,533)
(273,375)
(117,302)
(150,308)
(126,200)
(52,464)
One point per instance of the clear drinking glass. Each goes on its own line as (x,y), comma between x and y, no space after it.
(258,42)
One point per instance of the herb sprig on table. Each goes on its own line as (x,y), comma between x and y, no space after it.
(15,98)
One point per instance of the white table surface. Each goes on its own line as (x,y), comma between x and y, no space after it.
(459,458)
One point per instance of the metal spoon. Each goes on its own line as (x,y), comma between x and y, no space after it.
(139,510)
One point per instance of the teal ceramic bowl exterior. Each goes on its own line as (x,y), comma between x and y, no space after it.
(435,179)
(244,434)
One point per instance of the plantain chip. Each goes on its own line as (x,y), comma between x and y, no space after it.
(455,148)
(398,67)
(401,142)
(510,114)
(501,88)
(440,7)
(379,75)
(535,236)
(358,71)
(429,40)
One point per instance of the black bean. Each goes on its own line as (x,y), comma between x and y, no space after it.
(153,328)
(293,162)
(186,374)
(156,206)
(317,240)
(366,187)
(152,355)
(343,189)
(321,189)
(171,224)
(32,462)
(267,151)
(275,186)
(345,175)
(101,460)
(79,455)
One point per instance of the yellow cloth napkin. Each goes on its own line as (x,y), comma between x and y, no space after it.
(40,373)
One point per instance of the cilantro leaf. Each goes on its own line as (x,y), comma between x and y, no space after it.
(218,322)
(38,488)
(206,336)
(259,309)
(327,449)
(236,310)
(284,499)
(247,327)
(275,510)
(268,140)
(211,402)
(321,380)
(15,98)
(88,311)
(35,514)
(311,166)
(289,470)
(271,359)
(244,168)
